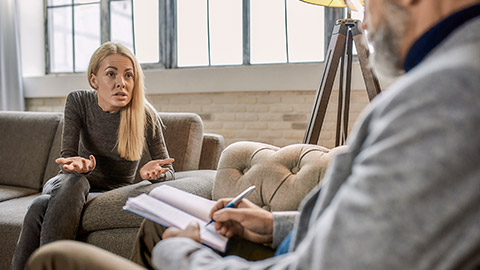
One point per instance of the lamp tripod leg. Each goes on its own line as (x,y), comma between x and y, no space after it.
(345,33)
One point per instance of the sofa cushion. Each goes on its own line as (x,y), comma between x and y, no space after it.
(105,211)
(12,213)
(11,192)
(283,176)
(26,141)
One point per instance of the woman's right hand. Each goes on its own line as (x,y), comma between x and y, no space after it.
(247,220)
(77,164)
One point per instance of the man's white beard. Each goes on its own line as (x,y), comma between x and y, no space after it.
(385,60)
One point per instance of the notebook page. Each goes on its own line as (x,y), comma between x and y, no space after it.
(188,202)
(167,215)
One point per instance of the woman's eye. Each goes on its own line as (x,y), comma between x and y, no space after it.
(129,75)
(110,74)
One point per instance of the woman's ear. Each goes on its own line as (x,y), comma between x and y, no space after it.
(93,81)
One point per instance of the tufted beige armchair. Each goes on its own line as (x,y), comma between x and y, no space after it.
(283,176)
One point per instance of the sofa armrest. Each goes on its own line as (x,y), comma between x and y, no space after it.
(283,176)
(212,147)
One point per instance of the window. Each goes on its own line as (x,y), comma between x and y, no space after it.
(74,30)
(186,33)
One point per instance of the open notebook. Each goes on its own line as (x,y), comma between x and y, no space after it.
(170,206)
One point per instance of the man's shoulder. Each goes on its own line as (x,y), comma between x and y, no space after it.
(460,49)
(454,66)
(447,80)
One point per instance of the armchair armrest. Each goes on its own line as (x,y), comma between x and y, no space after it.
(212,147)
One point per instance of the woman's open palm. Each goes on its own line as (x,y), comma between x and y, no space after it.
(77,164)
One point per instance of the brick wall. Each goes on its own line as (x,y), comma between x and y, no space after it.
(275,117)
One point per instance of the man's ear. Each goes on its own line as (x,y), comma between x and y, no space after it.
(93,81)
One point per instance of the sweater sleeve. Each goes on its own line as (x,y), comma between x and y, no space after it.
(158,148)
(71,126)
(282,225)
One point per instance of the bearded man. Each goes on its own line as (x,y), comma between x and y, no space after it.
(405,195)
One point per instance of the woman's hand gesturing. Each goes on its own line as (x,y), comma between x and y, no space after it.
(153,169)
(77,164)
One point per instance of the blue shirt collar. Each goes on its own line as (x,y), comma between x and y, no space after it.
(428,41)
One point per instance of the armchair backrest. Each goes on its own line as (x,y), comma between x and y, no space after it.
(283,176)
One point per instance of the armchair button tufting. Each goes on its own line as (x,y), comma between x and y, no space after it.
(245,171)
(295,170)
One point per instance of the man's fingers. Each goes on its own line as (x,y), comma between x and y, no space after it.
(193,231)
(219,205)
(226,214)
(170,232)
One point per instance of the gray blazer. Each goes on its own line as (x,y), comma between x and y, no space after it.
(406,194)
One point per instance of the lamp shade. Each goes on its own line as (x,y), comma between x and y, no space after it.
(329,3)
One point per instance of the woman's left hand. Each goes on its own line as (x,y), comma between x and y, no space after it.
(153,169)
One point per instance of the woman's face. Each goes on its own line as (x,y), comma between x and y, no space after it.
(114,82)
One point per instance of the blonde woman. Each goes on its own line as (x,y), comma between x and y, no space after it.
(104,134)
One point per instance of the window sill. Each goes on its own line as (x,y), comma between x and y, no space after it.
(278,77)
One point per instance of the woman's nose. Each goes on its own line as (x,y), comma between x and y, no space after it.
(121,82)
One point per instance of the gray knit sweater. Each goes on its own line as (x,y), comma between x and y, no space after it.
(88,130)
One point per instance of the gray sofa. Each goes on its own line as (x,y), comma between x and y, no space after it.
(29,144)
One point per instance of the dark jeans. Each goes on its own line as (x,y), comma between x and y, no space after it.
(52,216)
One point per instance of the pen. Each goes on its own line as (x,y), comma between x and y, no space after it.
(236,200)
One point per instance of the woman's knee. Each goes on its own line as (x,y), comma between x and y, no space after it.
(65,183)
(37,208)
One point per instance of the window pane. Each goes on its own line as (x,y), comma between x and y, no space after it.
(87,34)
(121,23)
(267,31)
(305,31)
(85,1)
(192,41)
(60,39)
(226,32)
(58,2)
(147,47)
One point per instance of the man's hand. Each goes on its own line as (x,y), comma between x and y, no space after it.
(246,220)
(153,169)
(77,164)
(192,231)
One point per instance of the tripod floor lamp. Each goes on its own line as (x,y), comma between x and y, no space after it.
(340,51)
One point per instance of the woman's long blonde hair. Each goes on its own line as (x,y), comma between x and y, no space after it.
(138,113)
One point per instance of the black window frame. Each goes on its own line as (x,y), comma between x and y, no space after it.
(168,30)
